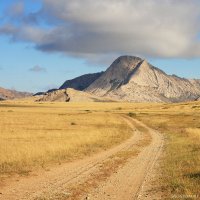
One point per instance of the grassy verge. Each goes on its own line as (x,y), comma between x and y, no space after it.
(181,163)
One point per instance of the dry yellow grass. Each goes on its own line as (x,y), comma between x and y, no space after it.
(33,134)
(180,123)
(36,134)
(194,133)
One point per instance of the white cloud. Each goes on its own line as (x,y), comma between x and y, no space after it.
(91,29)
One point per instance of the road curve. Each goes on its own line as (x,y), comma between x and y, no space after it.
(126,183)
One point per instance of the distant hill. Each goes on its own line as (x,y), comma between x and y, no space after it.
(6,94)
(81,82)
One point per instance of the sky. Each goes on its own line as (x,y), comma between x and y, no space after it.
(45,42)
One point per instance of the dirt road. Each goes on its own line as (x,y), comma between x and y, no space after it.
(114,174)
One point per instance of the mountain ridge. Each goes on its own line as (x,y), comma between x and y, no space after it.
(81,82)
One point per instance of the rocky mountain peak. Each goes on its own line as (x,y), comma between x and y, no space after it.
(124,64)
(125,60)
(119,73)
(131,78)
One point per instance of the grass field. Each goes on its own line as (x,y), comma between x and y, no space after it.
(37,134)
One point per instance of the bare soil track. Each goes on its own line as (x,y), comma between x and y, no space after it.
(125,181)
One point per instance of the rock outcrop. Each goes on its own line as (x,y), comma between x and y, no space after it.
(58,96)
(66,95)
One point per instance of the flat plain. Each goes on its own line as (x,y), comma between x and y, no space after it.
(36,138)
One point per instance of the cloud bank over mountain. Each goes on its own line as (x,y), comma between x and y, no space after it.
(96,29)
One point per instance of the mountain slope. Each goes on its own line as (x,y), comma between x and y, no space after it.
(81,82)
(12,94)
(131,78)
